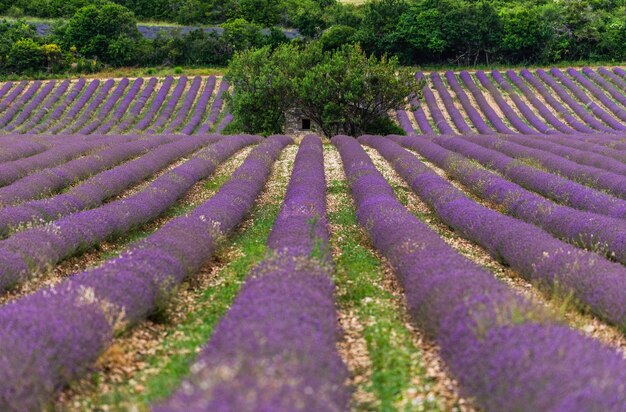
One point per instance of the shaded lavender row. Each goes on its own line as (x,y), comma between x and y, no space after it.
(171,104)
(473,114)
(526,111)
(584,143)
(156,104)
(573,104)
(28,252)
(58,154)
(216,108)
(60,109)
(588,175)
(420,117)
(440,121)
(606,85)
(228,119)
(591,123)
(201,106)
(106,107)
(24,114)
(548,185)
(600,285)
(543,109)
(279,337)
(577,151)
(486,108)
(76,107)
(184,109)
(595,91)
(5,89)
(138,106)
(95,190)
(590,230)
(15,146)
(506,352)
(19,103)
(620,72)
(47,181)
(121,109)
(64,329)
(405,122)
(614,78)
(93,105)
(19,149)
(508,112)
(13,95)
(45,108)
(456,116)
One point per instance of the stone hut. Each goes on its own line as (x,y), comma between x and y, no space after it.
(297,124)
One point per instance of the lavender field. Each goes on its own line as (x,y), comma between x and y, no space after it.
(150,263)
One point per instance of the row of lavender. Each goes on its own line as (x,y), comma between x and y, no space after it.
(63,329)
(118,107)
(506,351)
(546,103)
(278,340)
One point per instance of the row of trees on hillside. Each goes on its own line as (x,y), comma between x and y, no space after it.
(417,31)
(108,35)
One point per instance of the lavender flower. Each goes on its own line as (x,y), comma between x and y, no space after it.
(62,330)
(280,352)
(506,352)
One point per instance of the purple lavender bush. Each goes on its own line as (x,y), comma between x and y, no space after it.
(139,104)
(455,114)
(75,109)
(184,109)
(171,104)
(486,108)
(56,334)
(201,106)
(28,109)
(278,339)
(506,353)
(60,109)
(472,113)
(155,105)
(46,181)
(598,284)
(588,175)
(62,238)
(543,110)
(8,115)
(95,190)
(570,101)
(596,232)
(45,108)
(216,108)
(506,109)
(431,102)
(547,184)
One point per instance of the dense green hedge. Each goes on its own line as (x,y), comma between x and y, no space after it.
(417,32)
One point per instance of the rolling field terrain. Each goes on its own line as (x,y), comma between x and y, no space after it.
(148,262)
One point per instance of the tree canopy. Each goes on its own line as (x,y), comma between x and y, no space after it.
(342,91)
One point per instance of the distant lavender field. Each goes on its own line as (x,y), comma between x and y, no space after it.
(151,31)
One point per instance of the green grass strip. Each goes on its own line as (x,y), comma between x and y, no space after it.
(396,361)
(182,341)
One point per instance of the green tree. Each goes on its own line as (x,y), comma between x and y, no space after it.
(336,36)
(25,55)
(341,91)
(102,32)
(243,35)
